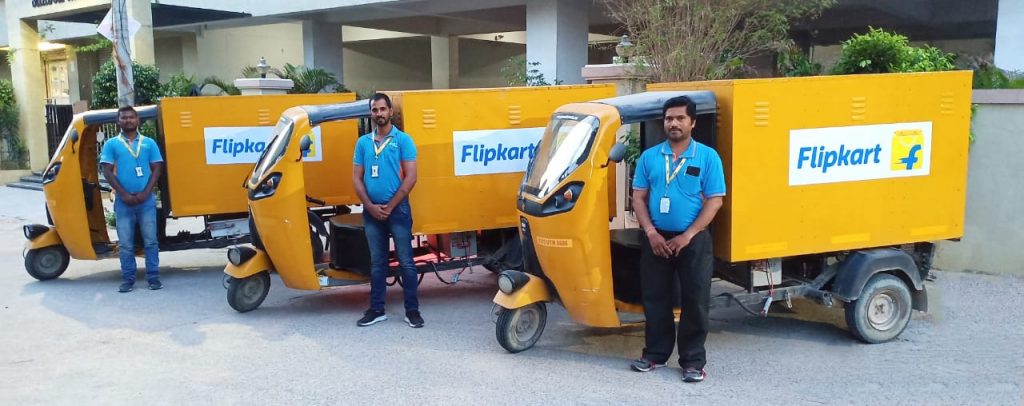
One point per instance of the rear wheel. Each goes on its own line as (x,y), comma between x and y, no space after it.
(882,312)
(246,294)
(48,262)
(519,329)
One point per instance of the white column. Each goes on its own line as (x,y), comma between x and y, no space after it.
(322,47)
(444,62)
(29,89)
(190,55)
(74,90)
(1010,35)
(556,36)
(142,43)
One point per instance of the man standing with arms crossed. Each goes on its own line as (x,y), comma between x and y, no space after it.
(137,162)
(384,175)
(678,188)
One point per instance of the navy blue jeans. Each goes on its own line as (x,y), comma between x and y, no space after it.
(142,215)
(398,226)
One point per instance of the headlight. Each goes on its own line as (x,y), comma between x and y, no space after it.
(51,173)
(239,255)
(34,230)
(266,188)
(511,281)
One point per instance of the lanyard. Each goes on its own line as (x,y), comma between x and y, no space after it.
(138,146)
(669,176)
(377,150)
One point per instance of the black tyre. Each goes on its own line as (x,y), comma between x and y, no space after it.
(882,312)
(48,262)
(519,329)
(246,294)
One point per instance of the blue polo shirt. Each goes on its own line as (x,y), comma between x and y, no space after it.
(700,178)
(116,152)
(399,149)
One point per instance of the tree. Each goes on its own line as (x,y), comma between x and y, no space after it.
(104,85)
(684,40)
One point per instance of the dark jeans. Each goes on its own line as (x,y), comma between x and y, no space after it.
(128,217)
(693,267)
(399,226)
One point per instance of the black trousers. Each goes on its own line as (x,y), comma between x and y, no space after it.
(692,268)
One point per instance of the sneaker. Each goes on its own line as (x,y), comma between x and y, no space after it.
(155,284)
(694,375)
(645,365)
(371,317)
(413,318)
(126,287)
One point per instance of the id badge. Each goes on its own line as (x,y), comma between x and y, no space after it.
(138,171)
(374,171)
(665,205)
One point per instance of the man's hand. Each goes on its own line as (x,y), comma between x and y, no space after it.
(677,243)
(375,211)
(385,210)
(127,198)
(658,244)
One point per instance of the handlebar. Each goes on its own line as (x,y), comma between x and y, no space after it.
(316,201)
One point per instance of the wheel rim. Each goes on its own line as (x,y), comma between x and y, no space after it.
(251,289)
(48,262)
(884,310)
(526,323)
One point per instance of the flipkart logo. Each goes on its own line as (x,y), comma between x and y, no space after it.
(907,150)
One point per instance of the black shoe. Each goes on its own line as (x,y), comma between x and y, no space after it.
(413,318)
(694,375)
(126,287)
(371,317)
(155,284)
(644,365)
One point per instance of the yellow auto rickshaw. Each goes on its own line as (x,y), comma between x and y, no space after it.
(473,146)
(806,215)
(208,144)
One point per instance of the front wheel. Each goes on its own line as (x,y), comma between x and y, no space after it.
(48,262)
(519,329)
(882,312)
(246,294)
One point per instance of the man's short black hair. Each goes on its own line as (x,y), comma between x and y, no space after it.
(380,96)
(126,108)
(680,101)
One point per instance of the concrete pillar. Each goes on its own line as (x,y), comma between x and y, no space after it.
(322,47)
(556,36)
(74,90)
(142,46)
(1010,35)
(190,55)
(29,89)
(444,62)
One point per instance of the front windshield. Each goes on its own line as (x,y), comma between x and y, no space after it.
(565,146)
(274,151)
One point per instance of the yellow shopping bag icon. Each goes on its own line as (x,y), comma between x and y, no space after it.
(907,150)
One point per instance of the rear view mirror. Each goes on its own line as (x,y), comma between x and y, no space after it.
(74,139)
(617,153)
(305,144)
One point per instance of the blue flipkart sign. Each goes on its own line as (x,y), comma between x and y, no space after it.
(854,153)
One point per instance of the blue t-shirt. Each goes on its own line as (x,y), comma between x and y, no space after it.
(399,148)
(116,151)
(700,178)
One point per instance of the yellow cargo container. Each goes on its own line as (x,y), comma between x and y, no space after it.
(208,145)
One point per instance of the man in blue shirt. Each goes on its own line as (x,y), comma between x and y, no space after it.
(678,188)
(132,164)
(384,175)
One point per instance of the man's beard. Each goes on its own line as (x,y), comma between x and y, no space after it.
(382,121)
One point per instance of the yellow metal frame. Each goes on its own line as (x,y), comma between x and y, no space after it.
(49,238)
(535,290)
(258,263)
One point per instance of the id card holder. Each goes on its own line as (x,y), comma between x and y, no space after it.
(666,203)
(138,171)
(374,171)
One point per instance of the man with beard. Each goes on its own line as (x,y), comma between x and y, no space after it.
(384,175)
(678,188)
(132,164)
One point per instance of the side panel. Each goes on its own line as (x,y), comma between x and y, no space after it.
(66,201)
(772,218)
(443,202)
(197,187)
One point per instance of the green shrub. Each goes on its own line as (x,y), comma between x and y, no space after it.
(104,85)
(879,51)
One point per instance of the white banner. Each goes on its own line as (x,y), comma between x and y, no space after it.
(864,152)
(483,152)
(244,145)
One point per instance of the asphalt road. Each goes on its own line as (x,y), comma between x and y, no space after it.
(75,340)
